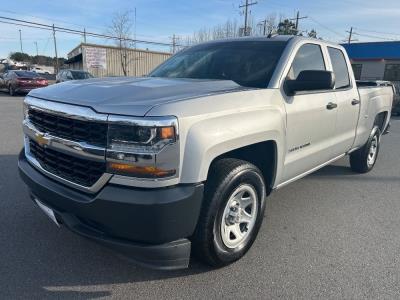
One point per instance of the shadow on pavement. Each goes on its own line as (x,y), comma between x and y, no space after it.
(334,170)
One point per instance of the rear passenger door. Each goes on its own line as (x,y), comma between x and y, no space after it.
(310,124)
(347,99)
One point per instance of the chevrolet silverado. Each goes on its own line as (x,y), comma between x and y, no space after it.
(182,161)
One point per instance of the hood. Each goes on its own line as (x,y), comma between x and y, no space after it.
(131,96)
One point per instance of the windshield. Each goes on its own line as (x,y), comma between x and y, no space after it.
(26,74)
(81,75)
(248,63)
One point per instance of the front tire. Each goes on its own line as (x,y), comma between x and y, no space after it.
(363,160)
(232,212)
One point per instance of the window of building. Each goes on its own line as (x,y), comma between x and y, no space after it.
(339,66)
(309,57)
(357,69)
(392,72)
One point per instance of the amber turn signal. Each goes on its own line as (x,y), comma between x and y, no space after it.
(167,133)
(146,172)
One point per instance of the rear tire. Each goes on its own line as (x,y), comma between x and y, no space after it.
(363,160)
(232,212)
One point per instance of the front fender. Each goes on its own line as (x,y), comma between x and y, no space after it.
(209,138)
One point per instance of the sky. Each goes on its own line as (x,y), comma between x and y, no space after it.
(158,20)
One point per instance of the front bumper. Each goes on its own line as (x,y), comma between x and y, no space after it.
(25,89)
(151,226)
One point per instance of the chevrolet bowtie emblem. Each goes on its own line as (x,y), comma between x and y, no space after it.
(41,140)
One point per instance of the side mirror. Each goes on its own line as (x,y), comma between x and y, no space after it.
(310,80)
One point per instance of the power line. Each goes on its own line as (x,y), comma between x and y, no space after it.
(74,31)
(48,19)
(326,27)
(297,19)
(379,32)
(375,37)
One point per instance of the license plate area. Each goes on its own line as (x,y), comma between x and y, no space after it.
(48,211)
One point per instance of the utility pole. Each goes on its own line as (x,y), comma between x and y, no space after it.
(55,50)
(174,43)
(246,11)
(264,24)
(20,40)
(350,35)
(297,19)
(134,37)
(84,35)
(37,51)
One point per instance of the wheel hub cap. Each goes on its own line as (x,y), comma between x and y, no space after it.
(239,216)
(373,151)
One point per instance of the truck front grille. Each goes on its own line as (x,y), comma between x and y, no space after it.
(91,132)
(80,171)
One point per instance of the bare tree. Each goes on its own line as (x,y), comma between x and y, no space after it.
(231,29)
(271,24)
(121,27)
(227,30)
(312,33)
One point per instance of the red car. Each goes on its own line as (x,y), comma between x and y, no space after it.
(21,81)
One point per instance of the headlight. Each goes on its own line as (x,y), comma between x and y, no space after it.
(143,148)
(138,139)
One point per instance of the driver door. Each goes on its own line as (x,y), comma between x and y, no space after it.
(310,120)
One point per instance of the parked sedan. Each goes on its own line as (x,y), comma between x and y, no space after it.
(40,70)
(21,81)
(67,75)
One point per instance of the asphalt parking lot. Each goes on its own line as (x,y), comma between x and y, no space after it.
(333,234)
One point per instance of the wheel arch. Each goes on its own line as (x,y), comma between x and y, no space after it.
(381,120)
(264,155)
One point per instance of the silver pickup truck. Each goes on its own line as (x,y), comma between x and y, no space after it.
(182,161)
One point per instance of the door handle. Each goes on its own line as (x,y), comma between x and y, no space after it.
(331,105)
(355,102)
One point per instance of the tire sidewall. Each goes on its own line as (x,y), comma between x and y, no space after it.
(247,176)
(375,132)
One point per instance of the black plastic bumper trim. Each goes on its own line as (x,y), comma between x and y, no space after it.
(166,217)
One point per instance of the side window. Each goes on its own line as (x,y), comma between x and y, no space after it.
(308,57)
(339,65)
(357,70)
